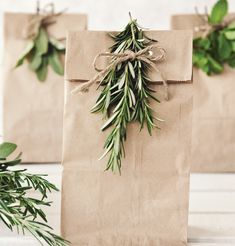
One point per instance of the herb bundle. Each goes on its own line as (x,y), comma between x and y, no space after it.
(41,51)
(217,48)
(17,209)
(126,94)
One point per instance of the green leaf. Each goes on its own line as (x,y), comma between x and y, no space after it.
(55,62)
(224,47)
(107,100)
(109,121)
(121,81)
(215,66)
(120,47)
(42,70)
(231,25)
(24,54)
(117,143)
(57,44)
(199,59)
(203,43)
(233,46)
(231,61)
(140,83)
(219,11)
(6,149)
(106,152)
(230,35)
(133,99)
(206,69)
(131,69)
(41,42)
(12,163)
(35,62)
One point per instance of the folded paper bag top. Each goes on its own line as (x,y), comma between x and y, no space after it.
(213,132)
(188,21)
(191,22)
(175,68)
(57,28)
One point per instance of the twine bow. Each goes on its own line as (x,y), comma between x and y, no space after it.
(206,28)
(43,17)
(146,55)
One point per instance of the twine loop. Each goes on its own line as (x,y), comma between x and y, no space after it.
(146,55)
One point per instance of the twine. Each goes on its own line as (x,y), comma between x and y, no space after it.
(146,55)
(206,28)
(43,17)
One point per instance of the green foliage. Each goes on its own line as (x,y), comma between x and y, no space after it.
(219,11)
(212,52)
(41,52)
(125,95)
(17,209)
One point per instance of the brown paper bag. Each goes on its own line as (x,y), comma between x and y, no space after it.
(33,110)
(148,204)
(213,137)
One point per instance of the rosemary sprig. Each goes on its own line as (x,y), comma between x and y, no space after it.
(217,48)
(17,209)
(126,95)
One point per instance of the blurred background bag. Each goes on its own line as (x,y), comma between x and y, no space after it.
(148,203)
(33,110)
(213,135)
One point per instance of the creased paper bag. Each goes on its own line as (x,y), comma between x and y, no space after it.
(213,134)
(148,204)
(33,110)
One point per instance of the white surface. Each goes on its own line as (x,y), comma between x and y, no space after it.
(211,217)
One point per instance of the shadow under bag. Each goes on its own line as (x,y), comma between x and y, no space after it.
(33,110)
(213,132)
(147,205)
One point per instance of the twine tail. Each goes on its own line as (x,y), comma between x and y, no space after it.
(165,85)
(164,80)
(166,89)
(83,87)
(38,7)
(86,85)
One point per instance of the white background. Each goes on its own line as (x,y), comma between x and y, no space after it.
(212,197)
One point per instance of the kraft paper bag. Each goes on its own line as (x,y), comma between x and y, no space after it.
(33,110)
(213,135)
(148,204)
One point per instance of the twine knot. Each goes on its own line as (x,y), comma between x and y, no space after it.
(146,55)
(131,54)
(206,27)
(43,17)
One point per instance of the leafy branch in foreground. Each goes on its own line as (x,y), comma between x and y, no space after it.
(17,209)
(41,51)
(126,94)
(217,47)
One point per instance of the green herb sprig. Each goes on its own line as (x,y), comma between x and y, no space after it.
(41,51)
(212,52)
(126,95)
(19,210)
